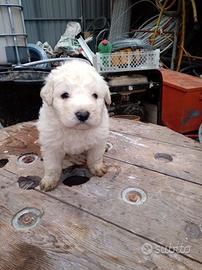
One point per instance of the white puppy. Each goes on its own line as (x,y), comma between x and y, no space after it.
(73,120)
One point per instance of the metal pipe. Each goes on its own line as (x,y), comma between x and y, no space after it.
(49,61)
(10,5)
(13,31)
(23,21)
(11,35)
(24,28)
(175,41)
(54,19)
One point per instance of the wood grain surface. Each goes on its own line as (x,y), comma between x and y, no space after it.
(91,226)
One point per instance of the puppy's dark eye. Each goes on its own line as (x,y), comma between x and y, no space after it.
(65,95)
(95,95)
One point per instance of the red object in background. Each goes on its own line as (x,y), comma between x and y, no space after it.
(182,101)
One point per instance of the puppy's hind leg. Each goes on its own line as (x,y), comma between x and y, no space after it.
(52,169)
(72,160)
(79,159)
(95,160)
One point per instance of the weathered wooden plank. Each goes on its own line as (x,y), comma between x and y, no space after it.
(185,164)
(170,220)
(172,207)
(152,132)
(138,151)
(25,132)
(68,238)
(19,139)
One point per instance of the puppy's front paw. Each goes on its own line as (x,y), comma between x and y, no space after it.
(47,184)
(98,169)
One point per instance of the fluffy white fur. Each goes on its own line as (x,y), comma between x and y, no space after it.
(61,134)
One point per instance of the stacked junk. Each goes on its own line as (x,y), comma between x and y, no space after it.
(127,55)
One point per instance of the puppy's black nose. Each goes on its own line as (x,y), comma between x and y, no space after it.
(82,115)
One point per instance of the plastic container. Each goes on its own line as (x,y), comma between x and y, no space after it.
(12,33)
(20,95)
(127,61)
(182,101)
(37,54)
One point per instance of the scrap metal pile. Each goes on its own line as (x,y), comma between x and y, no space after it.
(137,28)
(127,49)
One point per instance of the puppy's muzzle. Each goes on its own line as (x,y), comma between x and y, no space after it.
(82,115)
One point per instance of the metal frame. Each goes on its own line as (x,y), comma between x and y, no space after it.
(12,25)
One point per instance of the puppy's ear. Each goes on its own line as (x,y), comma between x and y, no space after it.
(107,95)
(47,91)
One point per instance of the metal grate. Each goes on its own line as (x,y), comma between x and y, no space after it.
(137,60)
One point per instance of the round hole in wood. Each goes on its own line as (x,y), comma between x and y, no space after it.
(74,176)
(193,231)
(28,182)
(27,158)
(163,157)
(3,162)
(134,196)
(26,218)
